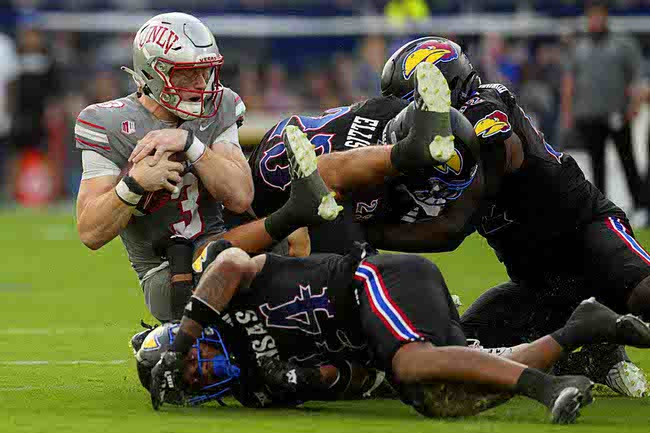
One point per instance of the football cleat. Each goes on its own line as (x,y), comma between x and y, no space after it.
(569,394)
(303,166)
(627,379)
(592,322)
(432,94)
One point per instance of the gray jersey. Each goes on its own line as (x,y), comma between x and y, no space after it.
(113,129)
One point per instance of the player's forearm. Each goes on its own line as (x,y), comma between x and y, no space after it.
(226,180)
(252,237)
(102,219)
(354,169)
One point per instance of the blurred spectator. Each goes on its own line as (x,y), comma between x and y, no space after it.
(250,89)
(277,97)
(367,82)
(604,68)
(36,86)
(500,62)
(8,69)
(321,94)
(105,87)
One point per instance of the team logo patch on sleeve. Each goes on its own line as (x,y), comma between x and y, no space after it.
(492,124)
(430,52)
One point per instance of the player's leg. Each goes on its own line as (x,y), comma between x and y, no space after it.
(500,316)
(162,300)
(618,272)
(623,140)
(409,321)
(422,133)
(310,202)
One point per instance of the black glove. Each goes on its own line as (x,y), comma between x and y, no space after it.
(288,382)
(167,380)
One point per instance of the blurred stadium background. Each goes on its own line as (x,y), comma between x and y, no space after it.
(66,313)
(282,56)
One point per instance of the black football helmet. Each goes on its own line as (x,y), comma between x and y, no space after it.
(399,70)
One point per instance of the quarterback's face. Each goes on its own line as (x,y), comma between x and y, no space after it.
(198,379)
(191,79)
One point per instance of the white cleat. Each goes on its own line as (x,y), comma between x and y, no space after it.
(302,160)
(301,154)
(627,379)
(329,209)
(435,96)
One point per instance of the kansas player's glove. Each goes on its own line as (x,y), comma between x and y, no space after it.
(166,380)
(287,382)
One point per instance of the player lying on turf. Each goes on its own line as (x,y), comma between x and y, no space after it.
(560,238)
(274,320)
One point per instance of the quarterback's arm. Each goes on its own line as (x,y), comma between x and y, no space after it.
(439,234)
(105,203)
(101,215)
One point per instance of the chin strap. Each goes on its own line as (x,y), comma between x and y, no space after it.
(139,81)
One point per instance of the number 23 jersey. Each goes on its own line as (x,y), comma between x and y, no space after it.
(336,130)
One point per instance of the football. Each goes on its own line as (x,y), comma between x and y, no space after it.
(154,200)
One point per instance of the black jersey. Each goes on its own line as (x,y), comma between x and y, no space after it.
(401,199)
(303,310)
(336,130)
(545,198)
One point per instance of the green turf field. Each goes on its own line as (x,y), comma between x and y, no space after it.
(67,313)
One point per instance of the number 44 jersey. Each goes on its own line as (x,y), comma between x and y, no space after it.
(302,309)
(112,129)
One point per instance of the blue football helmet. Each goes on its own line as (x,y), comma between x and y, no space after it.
(216,372)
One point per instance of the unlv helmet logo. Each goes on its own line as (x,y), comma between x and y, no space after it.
(493,123)
(160,35)
(429,51)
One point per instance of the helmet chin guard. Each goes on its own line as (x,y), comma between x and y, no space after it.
(168,44)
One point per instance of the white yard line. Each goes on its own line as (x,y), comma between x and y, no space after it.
(61,331)
(35,388)
(73,362)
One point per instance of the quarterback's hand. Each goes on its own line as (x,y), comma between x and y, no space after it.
(154,177)
(166,380)
(161,140)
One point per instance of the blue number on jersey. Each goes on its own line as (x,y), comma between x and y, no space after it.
(299,313)
(274,167)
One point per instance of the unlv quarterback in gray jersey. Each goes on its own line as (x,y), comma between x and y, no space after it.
(166,50)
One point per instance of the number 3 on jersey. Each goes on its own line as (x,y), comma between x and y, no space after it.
(191,225)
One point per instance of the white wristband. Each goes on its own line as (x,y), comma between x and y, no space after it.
(196,150)
(126,195)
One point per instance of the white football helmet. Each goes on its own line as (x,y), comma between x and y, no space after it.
(173,42)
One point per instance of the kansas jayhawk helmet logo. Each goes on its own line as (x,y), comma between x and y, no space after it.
(493,123)
(429,51)
(455,164)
